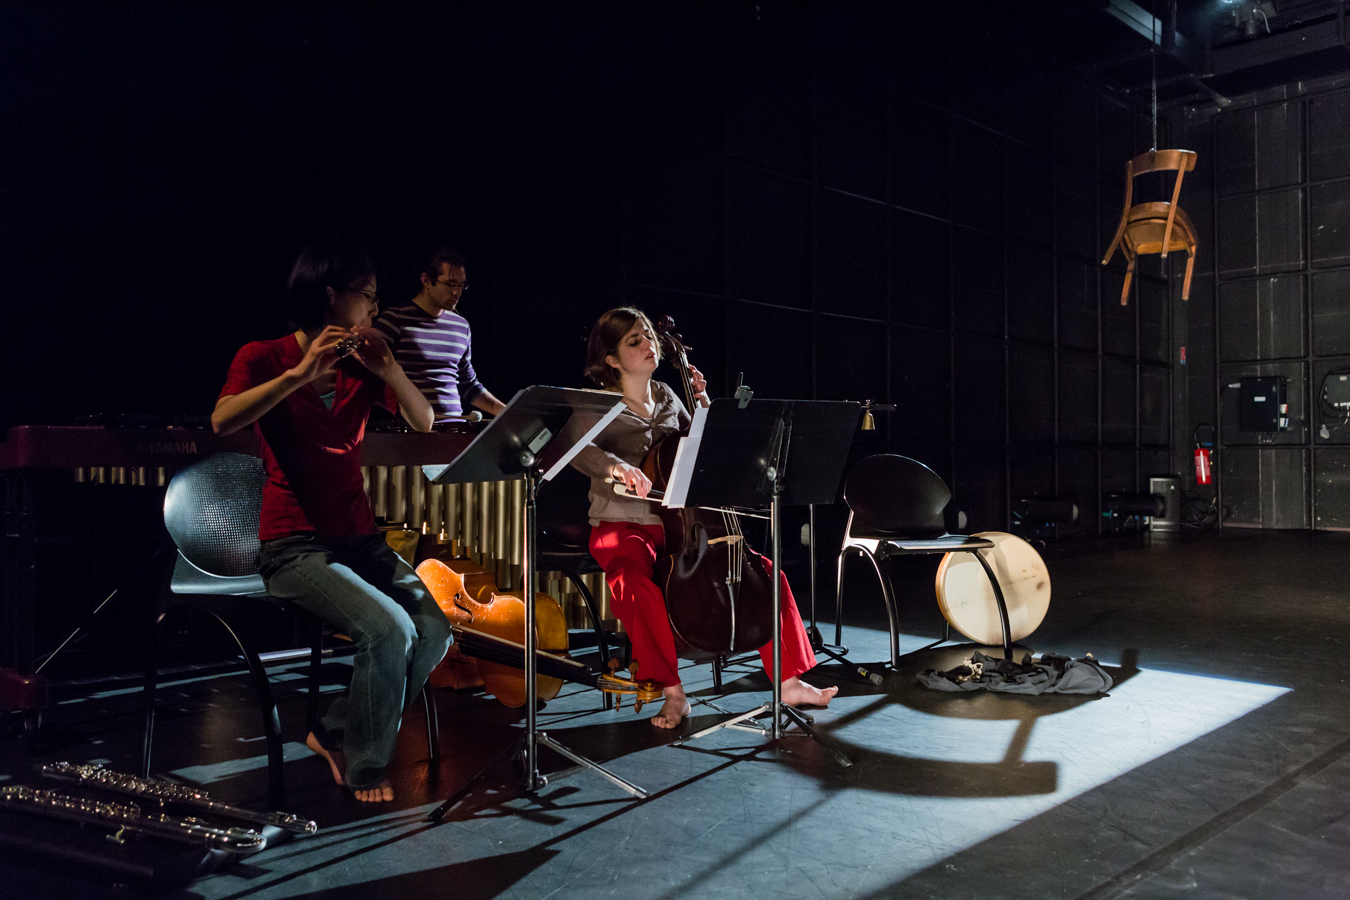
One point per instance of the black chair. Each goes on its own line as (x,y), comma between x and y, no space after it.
(896,508)
(211,511)
(563,546)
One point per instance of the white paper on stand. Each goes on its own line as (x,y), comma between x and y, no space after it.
(682,472)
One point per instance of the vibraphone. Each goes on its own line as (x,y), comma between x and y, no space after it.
(480,521)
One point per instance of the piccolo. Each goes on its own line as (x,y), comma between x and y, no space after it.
(128,818)
(166,792)
(347,345)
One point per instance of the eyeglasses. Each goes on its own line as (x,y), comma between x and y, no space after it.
(370,295)
(457,286)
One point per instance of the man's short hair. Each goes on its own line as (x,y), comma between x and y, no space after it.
(441,257)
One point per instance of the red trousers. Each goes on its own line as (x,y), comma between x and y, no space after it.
(627,553)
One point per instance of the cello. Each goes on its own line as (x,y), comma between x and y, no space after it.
(718,595)
(490,629)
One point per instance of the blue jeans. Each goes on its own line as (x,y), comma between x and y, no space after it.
(360,587)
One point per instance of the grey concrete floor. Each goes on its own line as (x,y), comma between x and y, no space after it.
(1217,766)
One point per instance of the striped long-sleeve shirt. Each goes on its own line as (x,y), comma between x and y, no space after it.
(435,352)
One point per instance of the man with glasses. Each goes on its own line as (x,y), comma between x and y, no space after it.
(433,343)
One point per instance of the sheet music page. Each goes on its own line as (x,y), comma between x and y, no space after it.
(685,455)
(582,441)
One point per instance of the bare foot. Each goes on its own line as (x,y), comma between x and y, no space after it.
(335,760)
(673,710)
(381,793)
(798,693)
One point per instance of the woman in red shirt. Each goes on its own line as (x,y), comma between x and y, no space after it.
(309,395)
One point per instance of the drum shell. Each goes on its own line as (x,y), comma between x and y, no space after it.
(966,597)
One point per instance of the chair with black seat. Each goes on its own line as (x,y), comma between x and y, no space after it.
(211,511)
(563,546)
(897,507)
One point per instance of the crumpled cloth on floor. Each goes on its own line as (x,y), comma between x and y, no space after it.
(1052,675)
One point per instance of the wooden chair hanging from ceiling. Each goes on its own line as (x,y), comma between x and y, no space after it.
(1159,227)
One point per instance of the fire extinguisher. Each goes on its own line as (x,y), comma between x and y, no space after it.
(1204,472)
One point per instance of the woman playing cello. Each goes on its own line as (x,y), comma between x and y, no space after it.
(626,535)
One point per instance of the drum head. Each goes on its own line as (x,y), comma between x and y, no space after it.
(967,599)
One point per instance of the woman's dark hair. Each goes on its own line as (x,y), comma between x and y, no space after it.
(606,334)
(432,269)
(323,265)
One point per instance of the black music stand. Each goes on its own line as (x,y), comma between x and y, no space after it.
(527,441)
(754,453)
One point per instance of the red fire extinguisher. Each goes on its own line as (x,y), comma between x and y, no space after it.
(1204,473)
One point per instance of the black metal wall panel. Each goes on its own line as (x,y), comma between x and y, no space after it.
(1031,470)
(850,359)
(1077,397)
(1279,145)
(850,275)
(1265,486)
(981,486)
(977,282)
(1154,408)
(1329,135)
(980,378)
(921,270)
(1331,312)
(1237,235)
(1031,293)
(1118,470)
(921,384)
(1119,393)
(920,157)
(850,137)
(1330,222)
(1031,395)
(1078,303)
(1331,488)
(1262,318)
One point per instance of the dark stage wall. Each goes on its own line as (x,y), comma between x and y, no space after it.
(891,201)
(1273,297)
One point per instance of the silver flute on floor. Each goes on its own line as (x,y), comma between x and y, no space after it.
(129,818)
(166,792)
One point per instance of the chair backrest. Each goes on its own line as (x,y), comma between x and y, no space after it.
(563,504)
(211,510)
(896,495)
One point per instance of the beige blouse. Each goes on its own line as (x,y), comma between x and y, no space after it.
(627,439)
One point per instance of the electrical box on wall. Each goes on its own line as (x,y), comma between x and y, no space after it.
(1263,405)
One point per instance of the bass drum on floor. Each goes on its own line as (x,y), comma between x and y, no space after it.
(966,597)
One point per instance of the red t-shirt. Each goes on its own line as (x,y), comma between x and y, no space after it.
(312,454)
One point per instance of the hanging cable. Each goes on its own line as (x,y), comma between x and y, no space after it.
(1153,59)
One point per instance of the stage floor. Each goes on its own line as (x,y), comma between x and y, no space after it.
(1216,767)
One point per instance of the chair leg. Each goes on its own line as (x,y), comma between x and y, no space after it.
(1125,292)
(151,684)
(601,636)
(892,614)
(1002,605)
(433,724)
(267,706)
(839,599)
(315,674)
(718,662)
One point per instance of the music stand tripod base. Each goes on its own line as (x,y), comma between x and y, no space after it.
(747,461)
(527,441)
